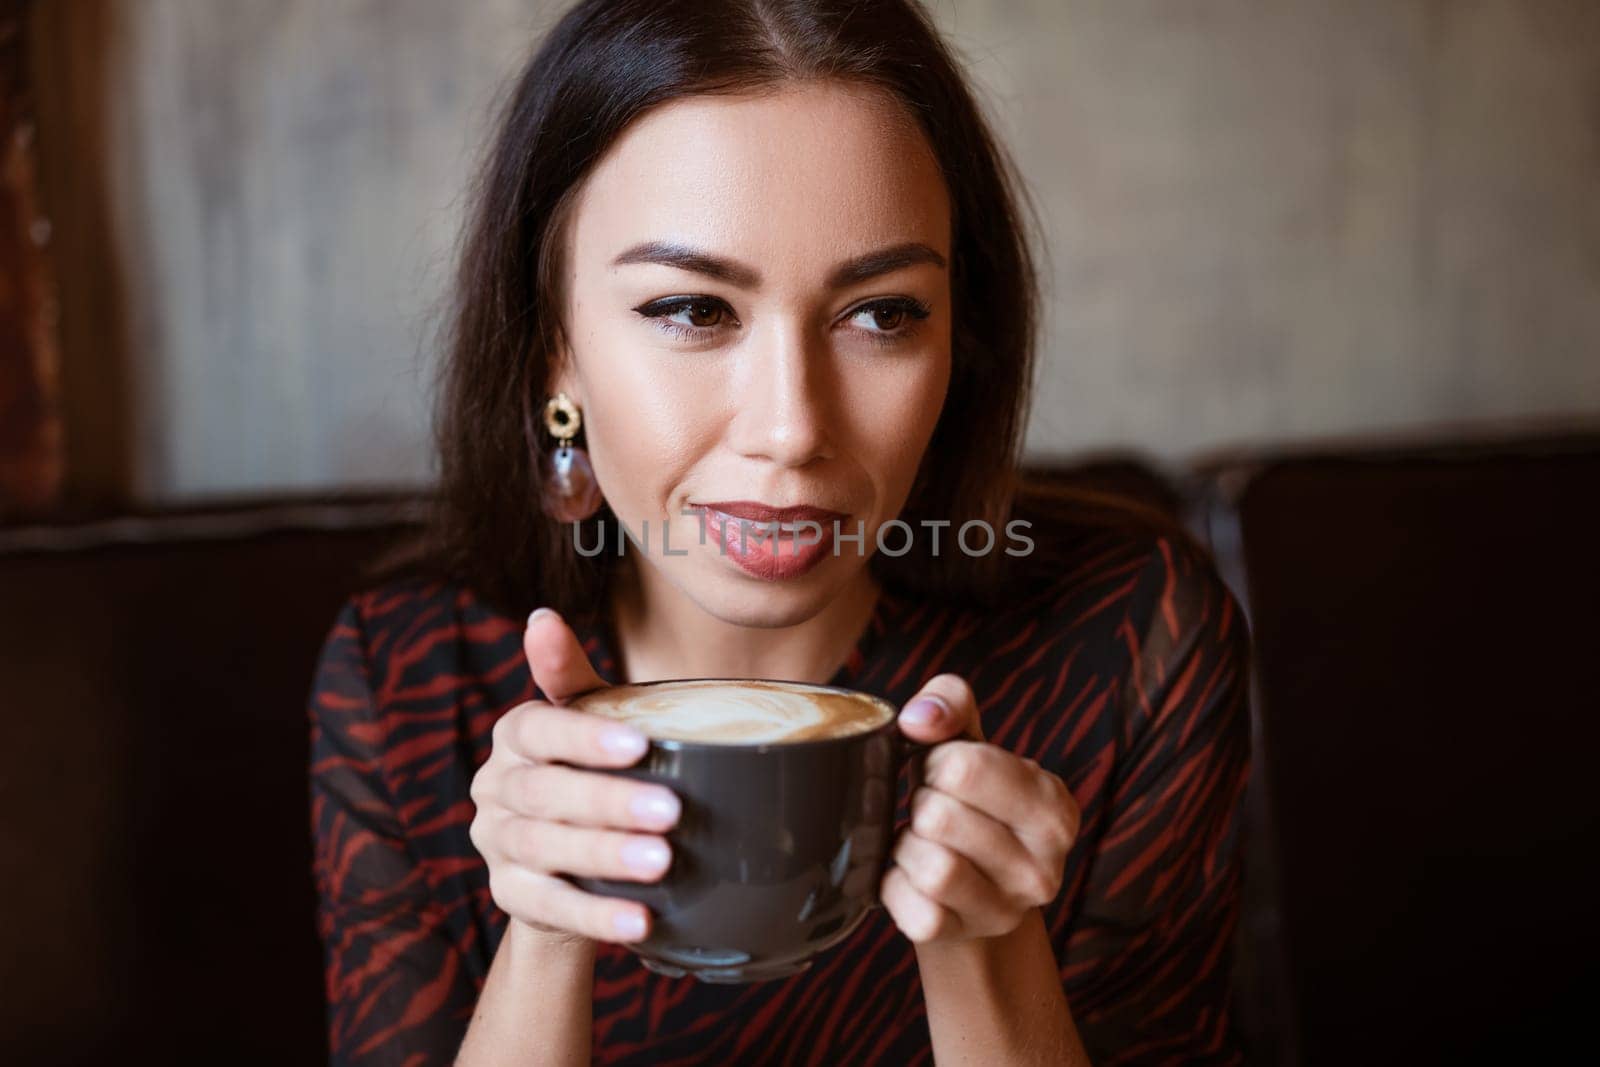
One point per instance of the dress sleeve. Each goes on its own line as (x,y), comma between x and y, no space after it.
(1146,966)
(394,981)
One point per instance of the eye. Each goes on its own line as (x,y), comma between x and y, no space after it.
(691,317)
(886,320)
(890,319)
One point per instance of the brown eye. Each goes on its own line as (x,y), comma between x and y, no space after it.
(704,314)
(888,318)
(689,317)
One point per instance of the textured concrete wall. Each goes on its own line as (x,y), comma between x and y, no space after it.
(283,185)
(1265,220)
(1302,217)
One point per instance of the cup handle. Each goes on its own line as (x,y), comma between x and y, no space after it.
(909,755)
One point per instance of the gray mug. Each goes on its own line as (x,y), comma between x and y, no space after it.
(778,852)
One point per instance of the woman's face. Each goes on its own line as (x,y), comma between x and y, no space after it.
(758,316)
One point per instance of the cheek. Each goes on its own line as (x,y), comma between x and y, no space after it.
(643,432)
(932,388)
(899,412)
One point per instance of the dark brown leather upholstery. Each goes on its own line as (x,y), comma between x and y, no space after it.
(1425,624)
(153,681)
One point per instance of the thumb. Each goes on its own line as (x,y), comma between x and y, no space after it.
(943,708)
(560,668)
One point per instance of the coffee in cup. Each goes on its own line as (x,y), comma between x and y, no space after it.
(754,712)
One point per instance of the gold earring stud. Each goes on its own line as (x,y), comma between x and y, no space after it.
(561,418)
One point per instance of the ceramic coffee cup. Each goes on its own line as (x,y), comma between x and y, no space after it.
(781,844)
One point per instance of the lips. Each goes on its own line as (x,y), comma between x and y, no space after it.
(755,511)
(743,532)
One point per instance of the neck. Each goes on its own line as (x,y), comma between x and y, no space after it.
(661,633)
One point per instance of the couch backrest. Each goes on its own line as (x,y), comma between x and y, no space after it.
(153,741)
(1425,624)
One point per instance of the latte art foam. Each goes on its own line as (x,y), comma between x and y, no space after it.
(737,712)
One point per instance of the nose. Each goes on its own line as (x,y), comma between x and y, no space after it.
(784,407)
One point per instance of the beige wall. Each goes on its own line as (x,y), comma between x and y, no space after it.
(282,188)
(1265,220)
(1279,219)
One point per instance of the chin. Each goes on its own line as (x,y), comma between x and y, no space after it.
(766,605)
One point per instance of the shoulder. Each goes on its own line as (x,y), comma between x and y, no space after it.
(1183,605)
(1127,665)
(392,607)
(407,630)
(1114,579)
(1135,608)
(1182,598)
(1188,646)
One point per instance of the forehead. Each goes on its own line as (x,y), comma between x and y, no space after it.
(796,179)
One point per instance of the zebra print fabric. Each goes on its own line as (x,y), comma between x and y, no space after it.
(1127,676)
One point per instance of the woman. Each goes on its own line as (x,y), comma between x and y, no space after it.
(761,260)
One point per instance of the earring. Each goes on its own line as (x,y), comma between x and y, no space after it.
(570,491)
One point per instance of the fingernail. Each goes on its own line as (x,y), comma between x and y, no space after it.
(628,924)
(924,711)
(539,613)
(623,740)
(655,806)
(647,855)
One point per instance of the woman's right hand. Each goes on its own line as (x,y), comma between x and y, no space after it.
(539,814)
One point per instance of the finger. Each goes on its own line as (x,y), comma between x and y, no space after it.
(560,667)
(876,797)
(1015,792)
(943,708)
(866,846)
(919,918)
(588,798)
(950,880)
(987,844)
(558,848)
(550,901)
(539,731)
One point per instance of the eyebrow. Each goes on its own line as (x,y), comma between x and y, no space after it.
(850,272)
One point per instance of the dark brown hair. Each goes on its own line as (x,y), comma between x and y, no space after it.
(605,63)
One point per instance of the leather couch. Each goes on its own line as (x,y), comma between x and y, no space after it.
(1426,618)
(1419,884)
(153,680)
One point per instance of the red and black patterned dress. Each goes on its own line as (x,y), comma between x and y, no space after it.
(1126,676)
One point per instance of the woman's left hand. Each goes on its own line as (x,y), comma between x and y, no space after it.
(989,830)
